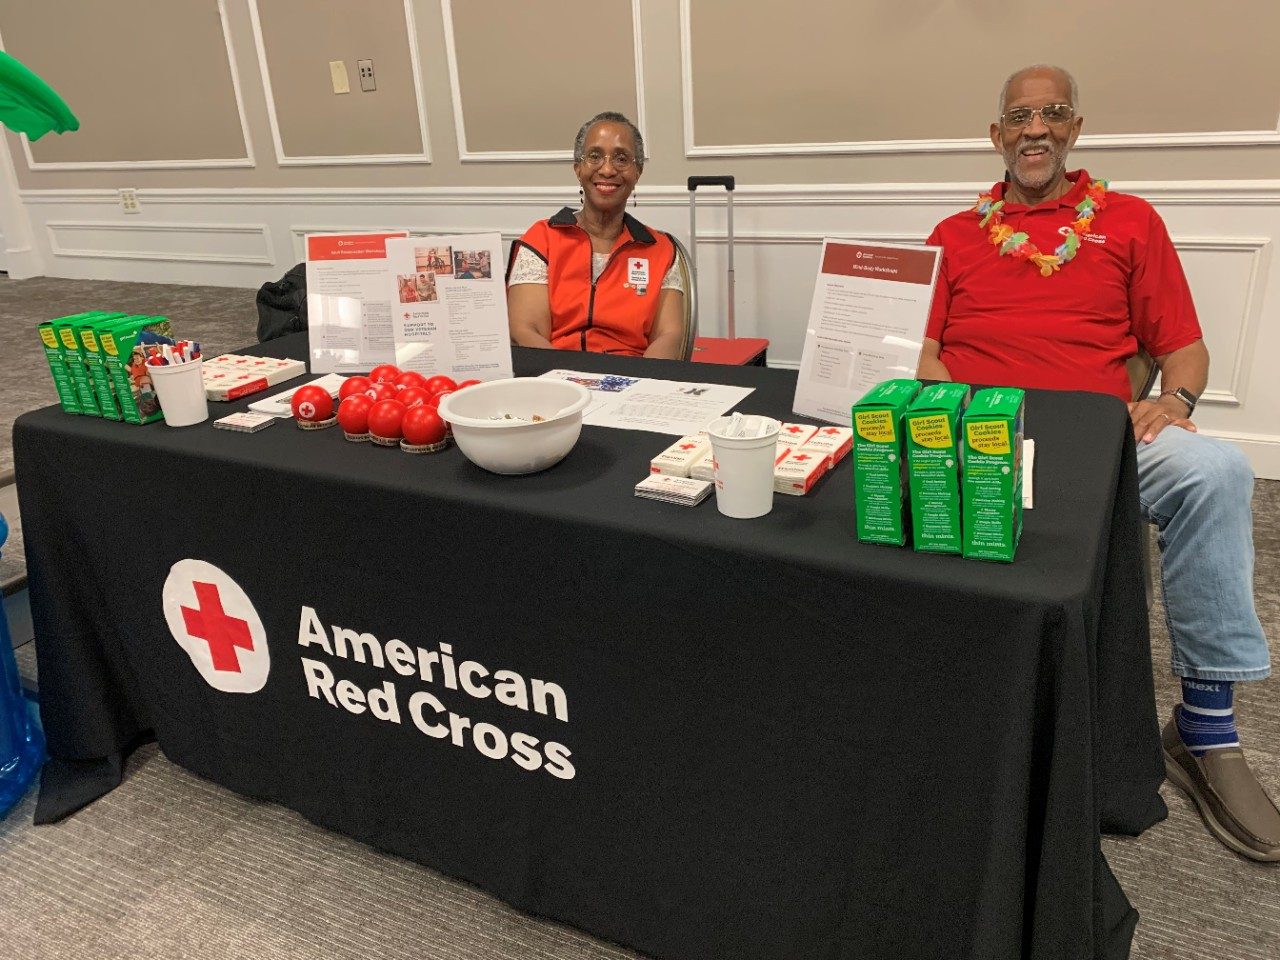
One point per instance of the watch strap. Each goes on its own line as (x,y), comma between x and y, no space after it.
(1185,395)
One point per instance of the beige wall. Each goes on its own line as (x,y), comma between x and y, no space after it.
(528,80)
(148,79)
(525,85)
(298,40)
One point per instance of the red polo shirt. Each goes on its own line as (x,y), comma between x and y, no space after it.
(1000,322)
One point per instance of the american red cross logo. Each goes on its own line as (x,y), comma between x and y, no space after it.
(636,264)
(223,633)
(215,623)
(795,429)
(306,410)
(687,446)
(801,456)
(831,430)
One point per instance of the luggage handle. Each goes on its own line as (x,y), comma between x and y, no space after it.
(728,183)
(696,182)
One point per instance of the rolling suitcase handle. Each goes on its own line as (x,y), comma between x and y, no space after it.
(728,184)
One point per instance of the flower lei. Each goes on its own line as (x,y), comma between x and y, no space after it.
(1019,246)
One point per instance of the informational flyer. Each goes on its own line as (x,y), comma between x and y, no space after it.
(659,406)
(449,310)
(866,323)
(348,310)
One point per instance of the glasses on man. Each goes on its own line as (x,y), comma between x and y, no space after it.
(621,160)
(1053,115)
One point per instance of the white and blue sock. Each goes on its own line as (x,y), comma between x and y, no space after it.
(1206,719)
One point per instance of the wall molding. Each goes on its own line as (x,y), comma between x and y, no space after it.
(256,230)
(286,160)
(1103,141)
(466,155)
(955,195)
(204,164)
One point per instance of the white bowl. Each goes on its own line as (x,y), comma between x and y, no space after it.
(518,445)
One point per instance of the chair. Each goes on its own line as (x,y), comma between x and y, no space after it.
(688,278)
(1142,376)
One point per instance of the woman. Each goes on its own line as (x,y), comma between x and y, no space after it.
(598,279)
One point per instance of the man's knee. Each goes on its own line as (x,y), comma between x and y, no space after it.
(1219,465)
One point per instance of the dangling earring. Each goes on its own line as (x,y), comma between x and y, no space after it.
(582,197)
(635,202)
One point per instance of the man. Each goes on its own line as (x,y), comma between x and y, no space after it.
(1053,281)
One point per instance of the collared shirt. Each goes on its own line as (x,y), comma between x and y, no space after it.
(1000,322)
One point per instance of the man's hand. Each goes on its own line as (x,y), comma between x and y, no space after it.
(1151,416)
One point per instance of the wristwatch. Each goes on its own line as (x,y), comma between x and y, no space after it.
(1186,396)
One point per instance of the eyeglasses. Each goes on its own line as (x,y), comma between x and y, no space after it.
(621,160)
(1053,114)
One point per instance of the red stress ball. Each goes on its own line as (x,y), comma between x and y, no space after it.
(380,391)
(422,425)
(413,396)
(439,383)
(384,373)
(353,385)
(434,402)
(353,415)
(410,378)
(384,422)
(312,403)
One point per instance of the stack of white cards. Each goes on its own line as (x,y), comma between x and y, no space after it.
(245,422)
(680,490)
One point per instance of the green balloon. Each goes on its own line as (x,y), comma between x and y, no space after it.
(28,104)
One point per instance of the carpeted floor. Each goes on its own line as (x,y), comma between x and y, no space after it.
(171,866)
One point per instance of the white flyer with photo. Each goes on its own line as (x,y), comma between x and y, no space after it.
(348,309)
(866,323)
(449,308)
(659,406)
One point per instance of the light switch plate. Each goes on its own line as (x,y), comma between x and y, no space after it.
(338,72)
(367,81)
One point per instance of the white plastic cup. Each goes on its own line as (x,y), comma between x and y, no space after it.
(180,390)
(744,465)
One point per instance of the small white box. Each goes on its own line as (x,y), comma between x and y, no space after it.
(678,459)
(834,443)
(798,471)
(793,435)
(704,468)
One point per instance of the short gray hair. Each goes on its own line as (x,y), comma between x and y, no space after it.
(609,116)
(1071,82)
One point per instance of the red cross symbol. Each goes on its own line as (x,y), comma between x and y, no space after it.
(800,456)
(635,264)
(307,409)
(831,430)
(210,623)
(795,429)
(687,446)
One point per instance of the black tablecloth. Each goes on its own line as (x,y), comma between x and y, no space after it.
(785,743)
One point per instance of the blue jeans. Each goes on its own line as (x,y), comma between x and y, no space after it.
(1198,491)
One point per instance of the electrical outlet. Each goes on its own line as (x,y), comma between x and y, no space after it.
(338,74)
(367,81)
(129,200)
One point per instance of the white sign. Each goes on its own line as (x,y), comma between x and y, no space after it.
(348,310)
(449,310)
(866,323)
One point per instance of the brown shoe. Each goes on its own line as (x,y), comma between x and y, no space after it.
(1231,801)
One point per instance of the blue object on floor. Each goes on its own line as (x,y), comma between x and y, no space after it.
(21,740)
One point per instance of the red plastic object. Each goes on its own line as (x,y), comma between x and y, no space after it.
(353,385)
(384,373)
(385,419)
(422,425)
(312,403)
(353,414)
(740,352)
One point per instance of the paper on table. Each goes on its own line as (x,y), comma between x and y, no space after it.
(1028,469)
(866,323)
(279,405)
(659,406)
(348,310)
(449,311)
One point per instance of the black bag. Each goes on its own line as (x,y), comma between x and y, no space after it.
(282,305)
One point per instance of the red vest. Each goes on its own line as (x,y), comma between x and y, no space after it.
(611,315)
